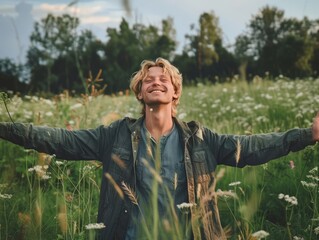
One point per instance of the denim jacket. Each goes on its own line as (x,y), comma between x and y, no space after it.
(203,150)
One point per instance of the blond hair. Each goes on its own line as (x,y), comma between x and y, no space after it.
(139,76)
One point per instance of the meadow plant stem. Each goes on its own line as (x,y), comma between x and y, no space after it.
(64,201)
(146,229)
(5,220)
(4,100)
(315,214)
(234,216)
(288,223)
(38,209)
(5,105)
(155,194)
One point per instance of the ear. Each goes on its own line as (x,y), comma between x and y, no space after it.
(139,96)
(175,96)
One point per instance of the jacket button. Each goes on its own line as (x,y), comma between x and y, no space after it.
(125,211)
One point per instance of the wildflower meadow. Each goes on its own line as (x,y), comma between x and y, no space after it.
(42,197)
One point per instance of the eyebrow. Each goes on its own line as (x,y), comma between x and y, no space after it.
(152,76)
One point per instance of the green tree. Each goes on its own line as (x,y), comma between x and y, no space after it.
(122,53)
(276,44)
(155,42)
(314,35)
(10,76)
(53,38)
(208,34)
(226,66)
(244,54)
(127,47)
(204,56)
(165,42)
(265,32)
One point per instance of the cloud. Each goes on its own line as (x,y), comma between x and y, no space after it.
(88,13)
(99,19)
(7,10)
(42,10)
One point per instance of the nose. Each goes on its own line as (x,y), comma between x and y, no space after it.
(156,81)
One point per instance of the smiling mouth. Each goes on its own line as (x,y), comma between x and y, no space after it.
(156,91)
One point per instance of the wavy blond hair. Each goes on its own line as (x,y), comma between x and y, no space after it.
(176,78)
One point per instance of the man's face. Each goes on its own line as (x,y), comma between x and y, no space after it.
(157,88)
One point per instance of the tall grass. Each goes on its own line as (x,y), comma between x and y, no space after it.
(44,198)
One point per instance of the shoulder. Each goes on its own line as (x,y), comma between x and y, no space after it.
(123,123)
(192,128)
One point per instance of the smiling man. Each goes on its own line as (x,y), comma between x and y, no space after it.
(179,157)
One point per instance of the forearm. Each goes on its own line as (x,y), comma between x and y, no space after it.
(266,147)
(261,148)
(61,142)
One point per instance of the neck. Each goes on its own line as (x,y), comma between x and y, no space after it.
(158,121)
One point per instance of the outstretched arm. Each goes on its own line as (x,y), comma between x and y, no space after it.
(71,145)
(261,148)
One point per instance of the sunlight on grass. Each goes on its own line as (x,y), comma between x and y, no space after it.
(43,198)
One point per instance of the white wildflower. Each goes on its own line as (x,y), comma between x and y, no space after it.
(311,177)
(185,205)
(226,194)
(234,183)
(71,122)
(309,184)
(41,171)
(59,163)
(27,114)
(5,196)
(87,168)
(95,226)
(297,238)
(76,106)
(49,114)
(45,177)
(316,230)
(47,101)
(4,185)
(260,234)
(45,167)
(262,119)
(182,115)
(299,95)
(290,199)
(314,170)
(293,200)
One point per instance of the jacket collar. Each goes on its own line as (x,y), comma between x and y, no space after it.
(187,129)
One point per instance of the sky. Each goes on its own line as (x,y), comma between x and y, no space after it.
(17,17)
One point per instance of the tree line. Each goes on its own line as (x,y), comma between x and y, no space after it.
(60,57)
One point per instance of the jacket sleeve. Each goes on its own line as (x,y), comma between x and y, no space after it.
(259,148)
(65,144)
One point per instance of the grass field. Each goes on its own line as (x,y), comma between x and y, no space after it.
(46,198)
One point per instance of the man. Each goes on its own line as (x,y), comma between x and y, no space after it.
(183,155)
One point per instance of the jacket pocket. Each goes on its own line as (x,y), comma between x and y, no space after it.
(121,163)
(200,166)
